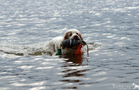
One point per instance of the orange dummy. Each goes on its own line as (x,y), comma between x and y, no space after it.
(79,50)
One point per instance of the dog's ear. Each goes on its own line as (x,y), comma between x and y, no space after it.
(80,35)
(66,36)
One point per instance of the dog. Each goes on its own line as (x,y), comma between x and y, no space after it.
(55,43)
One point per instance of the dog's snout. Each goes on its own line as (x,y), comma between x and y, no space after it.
(76,37)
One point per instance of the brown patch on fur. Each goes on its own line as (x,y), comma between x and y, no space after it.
(66,36)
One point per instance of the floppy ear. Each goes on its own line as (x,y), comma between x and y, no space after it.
(80,35)
(66,36)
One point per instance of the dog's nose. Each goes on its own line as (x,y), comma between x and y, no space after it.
(76,37)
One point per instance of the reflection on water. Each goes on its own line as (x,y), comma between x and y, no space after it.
(74,70)
(73,58)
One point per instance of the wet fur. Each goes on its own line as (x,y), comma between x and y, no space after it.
(55,43)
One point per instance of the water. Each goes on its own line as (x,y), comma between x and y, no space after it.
(110,27)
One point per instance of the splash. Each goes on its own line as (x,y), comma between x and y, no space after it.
(34,50)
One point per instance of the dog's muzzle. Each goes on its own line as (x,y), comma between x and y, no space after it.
(76,37)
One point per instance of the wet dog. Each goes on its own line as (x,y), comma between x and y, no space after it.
(55,43)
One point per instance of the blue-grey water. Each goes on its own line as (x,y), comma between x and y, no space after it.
(110,27)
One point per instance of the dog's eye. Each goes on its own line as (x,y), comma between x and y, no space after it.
(77,33)
(70,34)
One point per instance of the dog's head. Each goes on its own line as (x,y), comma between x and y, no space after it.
(73,34)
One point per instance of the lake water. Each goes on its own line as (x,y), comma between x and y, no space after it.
(110,27)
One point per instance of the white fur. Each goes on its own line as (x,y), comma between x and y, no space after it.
(135,86)
(54,44)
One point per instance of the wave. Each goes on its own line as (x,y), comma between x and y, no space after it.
(36,49)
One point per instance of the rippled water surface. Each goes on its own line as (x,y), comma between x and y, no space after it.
(110,27)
